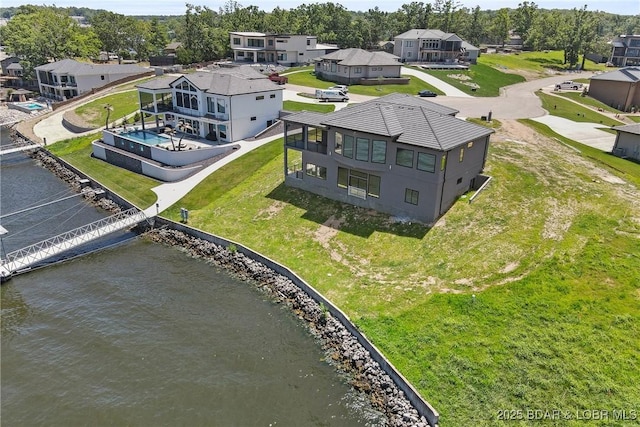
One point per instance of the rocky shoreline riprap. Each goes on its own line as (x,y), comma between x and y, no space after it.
(341,347)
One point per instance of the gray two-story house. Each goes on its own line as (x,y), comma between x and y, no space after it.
(397,154)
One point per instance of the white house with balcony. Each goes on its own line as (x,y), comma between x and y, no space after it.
(283,49)
(69,78)
(225,105)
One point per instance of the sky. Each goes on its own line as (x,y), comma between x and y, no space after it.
(177,7)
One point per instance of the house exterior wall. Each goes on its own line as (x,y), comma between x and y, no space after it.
(352,74)
(250,115)
(435,191)
(406,49)
(620,95)
(627,145)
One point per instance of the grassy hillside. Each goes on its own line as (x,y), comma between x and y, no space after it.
(550,250)
(541,62)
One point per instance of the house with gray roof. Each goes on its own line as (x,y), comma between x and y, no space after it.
(625,50)
(358,66)
(627,143)
(398,154)
(69,78)
(225,105)
(428,45)
(619,89)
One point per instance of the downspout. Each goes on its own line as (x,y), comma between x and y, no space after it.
(444,180)
(286,159)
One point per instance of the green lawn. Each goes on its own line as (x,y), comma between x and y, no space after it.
(587,100)
(557,310)
(486,79)
(132,186)
(123,103)
(634,118)
(537,62)
(300,106)
(558,106)
(415,85)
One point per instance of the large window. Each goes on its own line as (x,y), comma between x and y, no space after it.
(359,184)
(404,157)
(317,171)
(338,146)
(411,196)
(343,177)
(221,106)
(426,162)
(236,40)
(187,100)
(255,42)
(379,151)
(222,131)
(374,185)
(362,149)
(348,146)
(314,134)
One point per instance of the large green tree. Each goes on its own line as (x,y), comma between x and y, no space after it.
(41,34)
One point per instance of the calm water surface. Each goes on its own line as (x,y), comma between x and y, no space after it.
(140,334)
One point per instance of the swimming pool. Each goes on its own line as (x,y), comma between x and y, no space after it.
(145,137)
(26,107)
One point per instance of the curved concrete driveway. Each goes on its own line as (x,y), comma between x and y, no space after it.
(517,101)
(445,87)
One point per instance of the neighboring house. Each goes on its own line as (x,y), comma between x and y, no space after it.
(386,46)
(397,154)
(625,50)
(171,49)
(419,45)
(6,61)
(627,143)
(470,53)
(349,66)
(283,49)
(225,105)
(619,89)
(69,78)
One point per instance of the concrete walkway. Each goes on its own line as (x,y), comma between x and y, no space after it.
(586,133)
(445,87)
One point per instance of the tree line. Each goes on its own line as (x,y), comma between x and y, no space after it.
(38,34)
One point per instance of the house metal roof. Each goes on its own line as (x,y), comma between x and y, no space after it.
(73,67)
(353,56)
(632,128)
(628,74)
(405,118)
(14,66)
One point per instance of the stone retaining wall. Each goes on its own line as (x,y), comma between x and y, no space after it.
(371,373)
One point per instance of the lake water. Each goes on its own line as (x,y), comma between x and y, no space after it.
(140,334)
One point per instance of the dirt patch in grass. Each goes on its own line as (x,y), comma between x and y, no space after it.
(271,211)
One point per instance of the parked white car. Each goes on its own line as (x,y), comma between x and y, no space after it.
(569,85)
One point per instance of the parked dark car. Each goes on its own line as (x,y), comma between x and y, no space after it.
(427,93)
